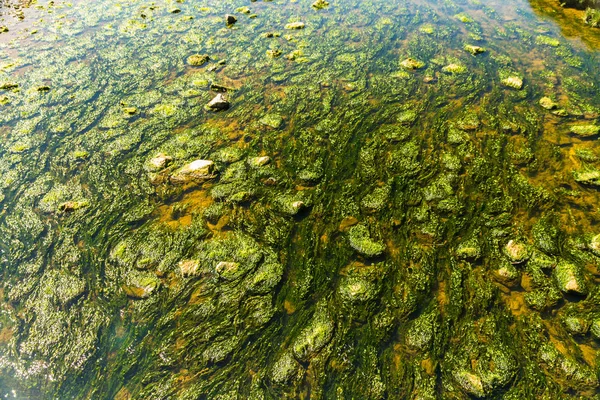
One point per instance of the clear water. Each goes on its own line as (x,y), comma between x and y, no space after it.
(387,215)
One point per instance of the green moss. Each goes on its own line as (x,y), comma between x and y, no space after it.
(315,336)
(361,241)
(584,130)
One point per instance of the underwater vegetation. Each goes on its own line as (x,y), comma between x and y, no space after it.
(272,199)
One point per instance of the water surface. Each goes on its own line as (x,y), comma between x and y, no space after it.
(403,201)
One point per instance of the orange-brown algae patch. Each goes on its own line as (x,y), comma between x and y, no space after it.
(6,334)
(346,223)
(515,302)
(589,354)
(289,307)
(123,394)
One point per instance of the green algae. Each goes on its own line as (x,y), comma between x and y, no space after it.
(125,283)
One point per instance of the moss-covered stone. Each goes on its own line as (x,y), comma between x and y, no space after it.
(570,279)
(361,241)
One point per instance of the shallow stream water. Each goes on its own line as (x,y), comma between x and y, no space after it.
(401,200)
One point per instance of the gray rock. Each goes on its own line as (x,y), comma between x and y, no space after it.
(219,103)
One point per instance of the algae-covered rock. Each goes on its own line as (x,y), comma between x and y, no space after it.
(516,251)
(587,175)
(140,285)
(493,368)
(594,245)
(547,41)
(272,119)
(576,325)
(595,329)
(474,50)
(454,68)
(320,4)
(507,274)
(360,240)
(198,170)
(70,206)
(569,277)
(295,25)
(469,249)
(377,199)
(412,64)
(266,277)
(198,60)
(548,103)
(358,287)
(274,53)
(257,162)
(585,130)
(513,82)
(189,267)
(285,368)
(421,333)
(232,257)
(315,336)
(159,162)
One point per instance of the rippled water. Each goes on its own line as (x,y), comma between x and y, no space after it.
(401,200)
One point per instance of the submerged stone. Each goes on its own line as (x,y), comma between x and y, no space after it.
(198,170)
(595,329)
(548,103)
(513,82)
(295,25)
(189,267)
(272,119)
(314,337)
(320,4)
(71,206)
(8,85)
(274,53)
(159,162)
(228,270)
(360,240)
(569,277)
(474,50)
(587,176)
(469,249)
(547,41)
(198,60)
(576,325)
(594,245)
(256,162)
(218,103)
(454,69)
(412,64)
(585,130)
(140,286)
(230,19)
(517,252)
